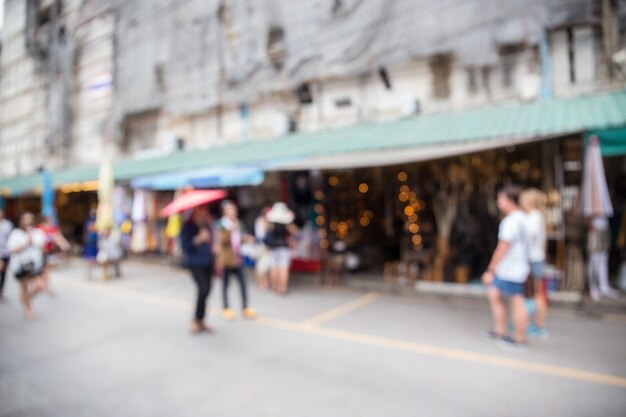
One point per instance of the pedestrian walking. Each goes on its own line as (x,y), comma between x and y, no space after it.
(277,240)
(196,242)
(230,234)
(532,201)
(55,242)
(26,245)
(263,263)
(507,272)
(90,237)
(598,245)
(110,251)
(5,254)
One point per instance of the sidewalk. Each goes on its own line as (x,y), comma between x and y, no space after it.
(440,290)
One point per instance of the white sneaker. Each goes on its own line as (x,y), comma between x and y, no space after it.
(611,293)
(595,294)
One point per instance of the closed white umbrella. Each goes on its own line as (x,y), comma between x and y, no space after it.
(596,200)
(596,205)
(106,183)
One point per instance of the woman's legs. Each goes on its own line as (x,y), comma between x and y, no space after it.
(283,279)
(592,275)
(541,303)
(45,279)
(202,277)
(243,287)
(520,317)
(29,288)
(225,279)
(498,311)
(274,277)
(25,298)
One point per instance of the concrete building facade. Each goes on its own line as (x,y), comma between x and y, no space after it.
(82,78)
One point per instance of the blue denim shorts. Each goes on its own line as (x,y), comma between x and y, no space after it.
(538,269)
(508,288)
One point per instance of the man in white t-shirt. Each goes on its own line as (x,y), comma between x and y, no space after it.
(507,272)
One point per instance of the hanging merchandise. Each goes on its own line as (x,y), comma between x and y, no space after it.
(121,205)
(139,238)
(174,225)
(138,212)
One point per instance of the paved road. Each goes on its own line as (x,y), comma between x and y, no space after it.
(121,348)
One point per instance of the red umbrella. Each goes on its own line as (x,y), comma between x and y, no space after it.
(192,199)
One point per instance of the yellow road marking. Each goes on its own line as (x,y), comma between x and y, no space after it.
(342,309)
(613,318)
(447,353)
(368,340)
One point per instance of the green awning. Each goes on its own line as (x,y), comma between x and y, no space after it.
(612,142)
(415,138)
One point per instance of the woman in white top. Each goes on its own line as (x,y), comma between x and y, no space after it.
(26,246)
(532,201)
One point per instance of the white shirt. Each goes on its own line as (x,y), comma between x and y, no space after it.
(5,230)
(515,264)
(536,226)
(33,252)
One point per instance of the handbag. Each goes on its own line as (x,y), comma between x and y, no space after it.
(26,268)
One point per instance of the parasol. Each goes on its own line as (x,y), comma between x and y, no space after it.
(191,199)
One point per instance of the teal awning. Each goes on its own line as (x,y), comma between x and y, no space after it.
(422,137)
(612,142)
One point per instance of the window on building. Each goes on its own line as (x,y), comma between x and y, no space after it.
(304,94)
(276,46)
(441,68)
(140,131)
(472,81)
(486,78)
(508,59)
(292,125)
(343,102)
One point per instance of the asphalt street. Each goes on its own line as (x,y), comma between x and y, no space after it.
(122,348)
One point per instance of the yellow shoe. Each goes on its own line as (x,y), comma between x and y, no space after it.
(228,314)
(249,313)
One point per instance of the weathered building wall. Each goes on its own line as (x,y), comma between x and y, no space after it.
(22,97)
(134,78)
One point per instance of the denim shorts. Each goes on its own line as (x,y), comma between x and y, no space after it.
(538,269)
(508,288)
(281,257)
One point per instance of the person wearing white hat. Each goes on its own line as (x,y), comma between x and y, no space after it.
(277,240)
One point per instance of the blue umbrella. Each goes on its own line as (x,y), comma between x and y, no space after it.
(47,196)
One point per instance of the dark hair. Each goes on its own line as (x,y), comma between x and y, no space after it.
(512,192)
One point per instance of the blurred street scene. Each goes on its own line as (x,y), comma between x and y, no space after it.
(356,207)
(116,348)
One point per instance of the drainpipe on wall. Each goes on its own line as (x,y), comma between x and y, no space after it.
(546,67)
(244,112)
